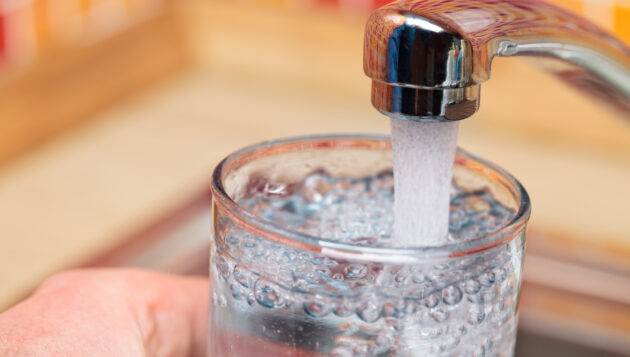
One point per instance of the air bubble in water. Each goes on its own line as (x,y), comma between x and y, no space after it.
(267,294)
(472,286)
(315,187)
(439,314)
(369,311)
(421,279)
(251,299)
(223,267)
(317,306)
(452,295)
(221,301)
(355,271)
(487,278)
(238,292)
(423,303)
(432,300)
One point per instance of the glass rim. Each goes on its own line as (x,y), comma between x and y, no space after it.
(411,254)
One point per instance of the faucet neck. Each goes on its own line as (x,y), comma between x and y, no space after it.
(427,58)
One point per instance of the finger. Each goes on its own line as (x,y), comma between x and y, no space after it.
(109,313)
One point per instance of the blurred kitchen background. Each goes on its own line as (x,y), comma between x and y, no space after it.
(113,114)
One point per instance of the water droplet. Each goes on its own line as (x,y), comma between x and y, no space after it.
(396,325)
(267,294)
(251,299)
(322,270)
(400,279)
(432,300)
(421,279)
(441,266)
(369,311)
(355,271)
(315,187)
(316,306)
(487,278)
(303,285)
(338,277)
(221,301)
(472,286)
(223,267)
(451,295)
(439,315)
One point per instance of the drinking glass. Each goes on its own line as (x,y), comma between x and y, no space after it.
(301,263)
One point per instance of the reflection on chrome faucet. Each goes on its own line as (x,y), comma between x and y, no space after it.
(428,58)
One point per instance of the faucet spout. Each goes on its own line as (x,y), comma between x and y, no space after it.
(428,58)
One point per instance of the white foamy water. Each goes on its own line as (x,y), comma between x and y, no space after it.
(423,169)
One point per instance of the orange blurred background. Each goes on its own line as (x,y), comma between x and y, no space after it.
(113,114)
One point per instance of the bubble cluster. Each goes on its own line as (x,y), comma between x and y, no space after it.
(344,209)
(457,306)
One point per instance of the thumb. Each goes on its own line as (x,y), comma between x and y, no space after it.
(119,312)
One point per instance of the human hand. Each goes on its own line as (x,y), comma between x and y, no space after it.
(120,312)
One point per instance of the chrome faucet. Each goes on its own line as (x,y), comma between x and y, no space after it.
(428,58)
